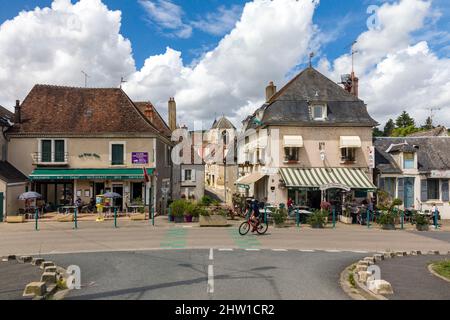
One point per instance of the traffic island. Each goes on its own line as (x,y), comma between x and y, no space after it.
(440,269)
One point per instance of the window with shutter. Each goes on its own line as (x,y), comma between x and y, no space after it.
(433,189)
(401,189)
(117,156)
(46,151)
(445,191)
(59,151)
(423,190)
(193,175)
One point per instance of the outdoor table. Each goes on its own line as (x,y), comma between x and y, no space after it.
(68,208)
(110,210)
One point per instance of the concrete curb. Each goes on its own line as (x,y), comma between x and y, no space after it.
(434,273)
(364,279)
(50,286)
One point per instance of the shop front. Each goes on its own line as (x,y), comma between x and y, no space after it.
(308,188)
(61,187)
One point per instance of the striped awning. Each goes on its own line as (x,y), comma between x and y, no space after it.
(326,178)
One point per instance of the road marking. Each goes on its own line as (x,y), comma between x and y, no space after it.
(225,249)
(279,250)
(304,250)
(332,250)
(188,226)
(356,251)
(252,249)
(210,287)
(211,254)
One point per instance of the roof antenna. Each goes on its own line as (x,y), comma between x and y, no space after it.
(86,76)
(353,55)
(122,80)
(432,113)
(311,55)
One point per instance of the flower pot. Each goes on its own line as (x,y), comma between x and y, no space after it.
(188,218)
(171,218)
(422,227)
(179,219)
(388,227)
(346,220)
(317,226)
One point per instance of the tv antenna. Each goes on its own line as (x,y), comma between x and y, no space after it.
(311,55)
(353,52)
(122,80)
(86,76)
(432,112)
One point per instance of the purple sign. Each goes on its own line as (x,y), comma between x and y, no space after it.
(139,157)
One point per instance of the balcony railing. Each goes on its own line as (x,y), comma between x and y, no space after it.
(50,158)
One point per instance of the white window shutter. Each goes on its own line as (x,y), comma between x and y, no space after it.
(183,175)
(193,175)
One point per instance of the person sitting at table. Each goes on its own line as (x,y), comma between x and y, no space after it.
(78,203)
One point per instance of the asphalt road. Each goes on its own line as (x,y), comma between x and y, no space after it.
(200,274)
(411,280)
(14,277)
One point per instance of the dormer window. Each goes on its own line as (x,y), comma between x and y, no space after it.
(408,160)
(319,111)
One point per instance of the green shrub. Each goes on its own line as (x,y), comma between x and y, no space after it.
(222,212)
(279,216)
(421,219)
(318,218)
(387,218)
(178,208)
(206,201)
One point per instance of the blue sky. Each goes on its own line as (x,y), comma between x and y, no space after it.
(194,51)
(347,18)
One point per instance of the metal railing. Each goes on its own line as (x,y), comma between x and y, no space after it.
(52,158)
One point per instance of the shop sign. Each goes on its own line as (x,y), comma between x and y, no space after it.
(372,157)
(243,186)
(335,186)
(440,174)
(139,157)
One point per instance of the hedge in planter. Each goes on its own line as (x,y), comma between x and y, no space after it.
(387,220)
(421,221)
(178,208)
(279,217)
(318,219)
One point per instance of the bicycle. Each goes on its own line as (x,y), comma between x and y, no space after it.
(261,226)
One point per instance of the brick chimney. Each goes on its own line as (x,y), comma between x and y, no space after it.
(271,89)
(172,114)
(355,85)
(17,115)
(149,113)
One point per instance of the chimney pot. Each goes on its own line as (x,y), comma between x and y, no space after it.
(271,89)
(172,114)
(17,113)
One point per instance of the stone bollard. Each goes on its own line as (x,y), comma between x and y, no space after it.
(401,253)
(47,264)
(49,277)
(380,287)
(24,259)
(9,258)
(378,257)
(50,269)
(433,252)
(360,267)
(35,289)
(371,260)
(37,261)
(363,262)
(363,276)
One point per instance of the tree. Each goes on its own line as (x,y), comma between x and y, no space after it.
(404,120)
(377,132)
(389,128)
(428,124)
(403,132)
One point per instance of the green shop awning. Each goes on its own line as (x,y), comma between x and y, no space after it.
(90,174)
(326,178)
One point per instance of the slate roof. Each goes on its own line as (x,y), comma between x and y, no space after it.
(291,104)
(435,132)
(6,117)
(158,121)
(68,110)
(10,174)
(433,153)
(223,123)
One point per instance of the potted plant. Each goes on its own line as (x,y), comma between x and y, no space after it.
(206,201)
(318,219)
(346,216)
(178,208)
(421,221)
(279,217)
(387,220)
(189,211)
(198,210)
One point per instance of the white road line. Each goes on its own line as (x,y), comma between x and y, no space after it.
(306,250)
(332,250)
(356,251)
(225,249)
(279,250)
(188,226)
(211,254)
(252,249)
(210,287)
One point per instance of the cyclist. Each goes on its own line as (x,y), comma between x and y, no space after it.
(255,214)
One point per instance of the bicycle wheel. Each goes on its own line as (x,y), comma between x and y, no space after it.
(244,228)
(262,228)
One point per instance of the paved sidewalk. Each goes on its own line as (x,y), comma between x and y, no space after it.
(411,280)
(14,277)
